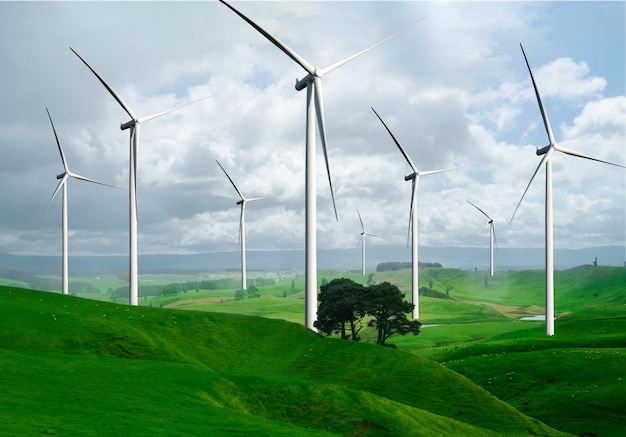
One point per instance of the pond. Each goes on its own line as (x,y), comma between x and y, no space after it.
(536,318)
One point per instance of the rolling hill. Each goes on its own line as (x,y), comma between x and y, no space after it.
(74,366)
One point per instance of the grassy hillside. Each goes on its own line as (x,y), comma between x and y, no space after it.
(73,366)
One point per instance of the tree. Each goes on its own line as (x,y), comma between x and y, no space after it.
(253,292)
(341,307)
(385,303)
(240,294)
(370,279)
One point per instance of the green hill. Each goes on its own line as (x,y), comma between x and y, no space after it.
(73,366)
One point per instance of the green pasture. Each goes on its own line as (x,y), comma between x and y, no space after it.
(74,366)
(271,377)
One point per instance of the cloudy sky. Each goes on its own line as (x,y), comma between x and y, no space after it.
(453,88)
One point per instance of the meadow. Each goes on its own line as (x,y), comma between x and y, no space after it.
(202,362)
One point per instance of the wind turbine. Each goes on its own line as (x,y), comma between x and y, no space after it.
(546,161)
(63,184)
(133,125)
(362,241)
(492,236)
(242,225)
(414,177)
(314,109)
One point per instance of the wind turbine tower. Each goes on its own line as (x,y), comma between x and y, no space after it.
(414,178)
(63,183)
(242,225)
(492,236)
(133,125)
(546,161)
(314,109)
(364,233)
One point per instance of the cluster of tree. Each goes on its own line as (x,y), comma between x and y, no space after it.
(344,306)
(429,292)
(399,265)
(176,288)
(251,292)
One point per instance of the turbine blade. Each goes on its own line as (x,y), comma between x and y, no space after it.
(59,185)
(278,43)
(153,116)
(58,143)
(413,199)
(580,155)
(83,178)
(359,242)
(406,155)
(109,89)
(241,219)
(484,213)
(493,231)
(544,115)
(319,110)
(325,70)
(429,172)
(362,227)
(252,199)
(541,163)
(231,181)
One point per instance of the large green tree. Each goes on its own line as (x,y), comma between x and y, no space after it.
(341,308)
(385,303)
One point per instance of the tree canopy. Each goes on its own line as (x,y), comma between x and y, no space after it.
(343,305)
(385,303)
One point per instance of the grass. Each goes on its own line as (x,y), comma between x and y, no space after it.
(83,367)
(276,378)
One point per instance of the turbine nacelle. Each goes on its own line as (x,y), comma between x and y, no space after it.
(302,83)
(411,177)
(61,176)
(543,150)
(128,124)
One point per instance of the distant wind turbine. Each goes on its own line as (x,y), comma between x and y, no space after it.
(242,225)
(547,152)
(315,108)
(364,233)
(133,125)
(492,236)
(63,183)
(413,229)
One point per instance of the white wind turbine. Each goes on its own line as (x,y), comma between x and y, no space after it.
(63,183)
(364,233)
(414,177)
(547,152)
(133,125)
(314,108)
(492,236)
(242,225)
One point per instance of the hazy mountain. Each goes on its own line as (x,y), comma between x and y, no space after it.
(293,260)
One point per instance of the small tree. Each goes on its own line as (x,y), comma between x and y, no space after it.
(385,303)
(340,308)
(240,294)
(253,292)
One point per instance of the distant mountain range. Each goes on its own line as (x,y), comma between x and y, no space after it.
(506,259)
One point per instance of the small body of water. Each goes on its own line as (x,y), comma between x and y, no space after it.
(536,318)
(429,325)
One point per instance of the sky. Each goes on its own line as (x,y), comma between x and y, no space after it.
(453,87)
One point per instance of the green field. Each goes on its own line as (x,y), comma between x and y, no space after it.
(203,364)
